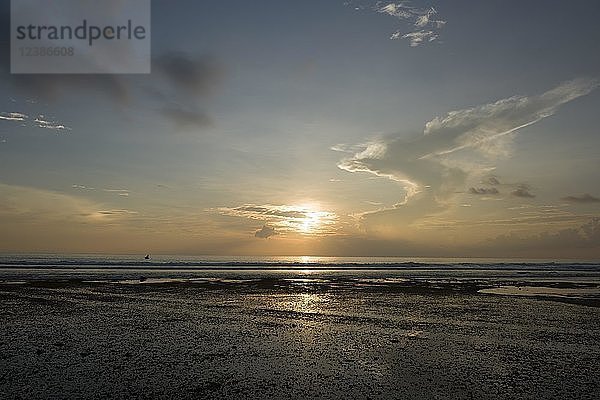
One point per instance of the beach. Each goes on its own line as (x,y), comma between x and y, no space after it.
(299,334)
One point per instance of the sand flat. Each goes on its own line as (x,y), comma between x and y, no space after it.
(274,339)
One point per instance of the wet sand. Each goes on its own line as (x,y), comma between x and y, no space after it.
(297,338)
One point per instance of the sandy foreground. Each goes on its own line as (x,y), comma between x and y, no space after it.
(296,338)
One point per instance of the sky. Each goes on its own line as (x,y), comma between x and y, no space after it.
(340,128)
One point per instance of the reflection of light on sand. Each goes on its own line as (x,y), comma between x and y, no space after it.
(307,303)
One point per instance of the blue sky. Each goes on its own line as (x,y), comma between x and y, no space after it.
(318,127)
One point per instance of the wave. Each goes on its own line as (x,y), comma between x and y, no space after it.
(112,263)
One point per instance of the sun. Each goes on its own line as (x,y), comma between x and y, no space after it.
(311,221)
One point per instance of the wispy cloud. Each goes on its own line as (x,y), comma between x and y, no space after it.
(12,116)
(43,122)
(82,187)
(417,38)
(40,121)
(120,192)
(116,212)
(484,126)
(20,204)
(585,198)
(423,19)
(452,146)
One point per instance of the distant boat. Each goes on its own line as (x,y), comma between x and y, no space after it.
(147,257)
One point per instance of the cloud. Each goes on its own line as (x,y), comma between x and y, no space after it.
(115,212)
(395,10)
(585,198)
(286,218)
(483,191)
(416,38)
(12,116)
(82,187)
(452,146)
(42,122)
(197,75)
(174,76)
(178,86)
(422,18)
(482,127)
(31,205)
(119,192)
(491,180)
(522,191)
(265,232)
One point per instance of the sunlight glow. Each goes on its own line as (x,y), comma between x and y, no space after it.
(304,219)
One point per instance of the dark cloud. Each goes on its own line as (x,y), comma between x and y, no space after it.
(522,191)
(174,77)
(50,86)
(585,198)
(197,75)
(179,82)
(167,87)
(479,191)
(265,232)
